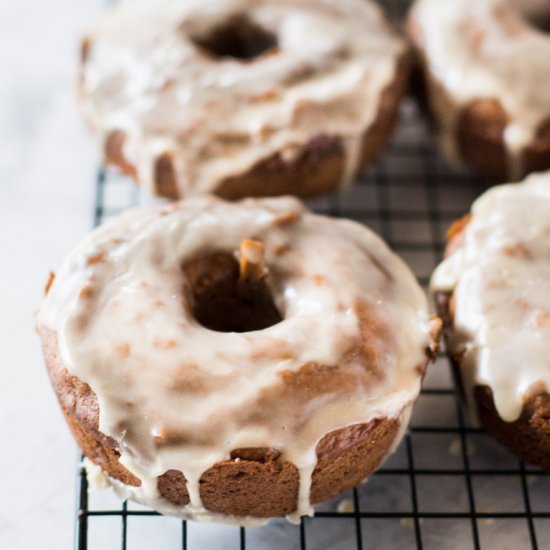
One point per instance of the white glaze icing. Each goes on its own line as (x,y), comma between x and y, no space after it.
(346,506)
(219,117)
(175,395)
(96,477)
(500,281)
(477,50)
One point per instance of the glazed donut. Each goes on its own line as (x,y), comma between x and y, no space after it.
(235,360)
(493,294)
(243,97)
(485,66)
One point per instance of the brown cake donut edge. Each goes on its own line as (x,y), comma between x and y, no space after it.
(345,457)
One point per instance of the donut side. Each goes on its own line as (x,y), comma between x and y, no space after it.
(528,437)
(479,139)
(345,457)
(476,136)
(317,169)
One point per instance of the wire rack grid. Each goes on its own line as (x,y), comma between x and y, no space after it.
(448,486)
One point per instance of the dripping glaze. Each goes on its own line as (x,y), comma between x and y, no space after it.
(499,278)
(478,50)
(200,393)
(217,118)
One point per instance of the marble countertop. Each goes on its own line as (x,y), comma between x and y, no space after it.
(47,163)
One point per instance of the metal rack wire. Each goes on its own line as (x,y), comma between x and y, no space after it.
(448,485)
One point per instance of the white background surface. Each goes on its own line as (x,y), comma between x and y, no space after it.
(47,163)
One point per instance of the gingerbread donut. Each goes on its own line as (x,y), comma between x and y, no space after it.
(235,361)
(493,294)
(485,66)
(242,97)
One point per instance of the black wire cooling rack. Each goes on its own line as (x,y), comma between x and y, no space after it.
(448,486)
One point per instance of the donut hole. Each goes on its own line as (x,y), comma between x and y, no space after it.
(540,22)
(535,13)
(239,38)
(222,301)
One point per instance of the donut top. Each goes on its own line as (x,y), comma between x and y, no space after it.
(350,345)
(499,277)
(147,73)
(487,50)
